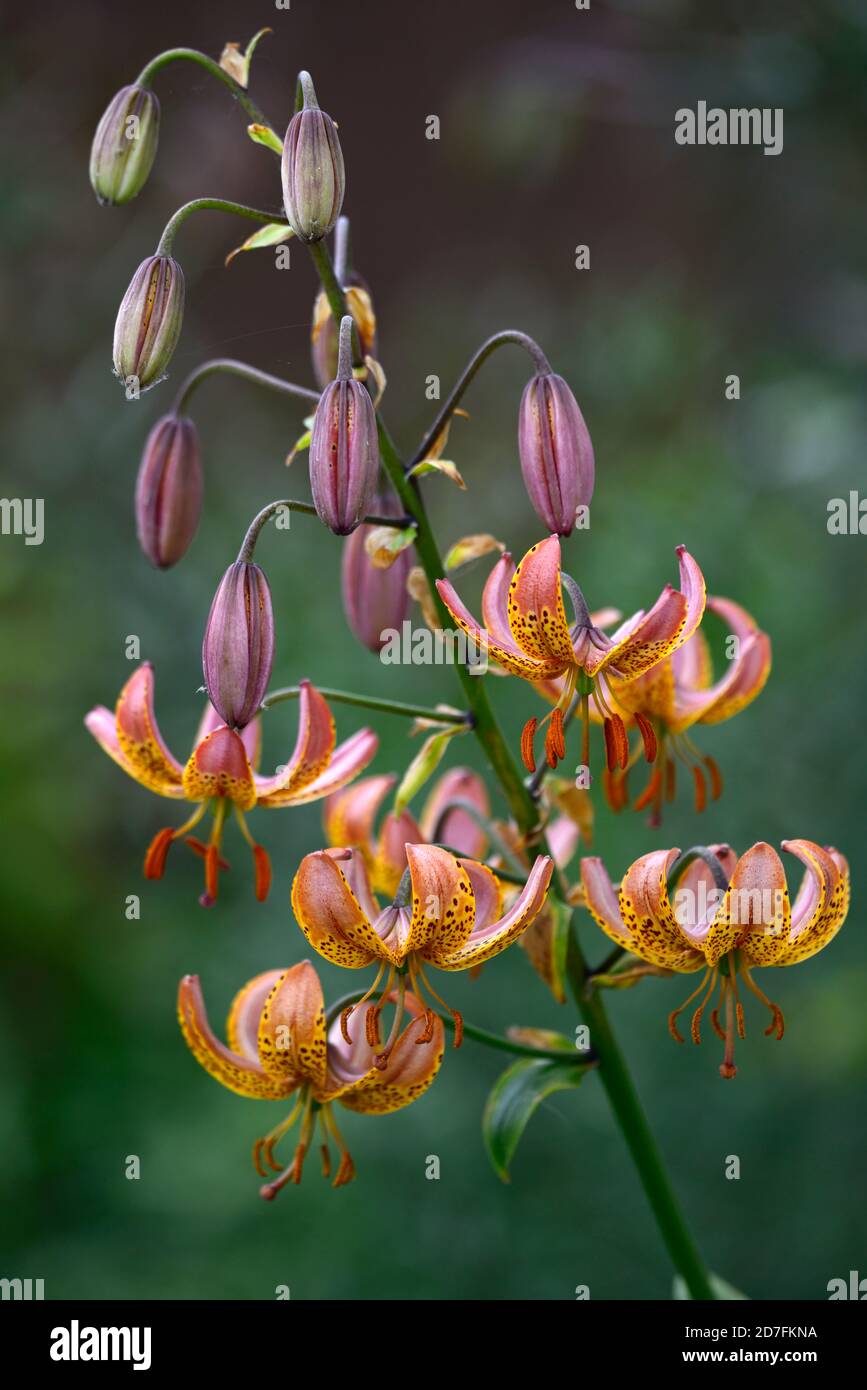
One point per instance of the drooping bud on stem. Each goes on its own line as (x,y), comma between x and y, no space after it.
(168,493)
(374,599)
(312,168)
(149,322)
(238,648)
(344,451)
(125,145)
(556,451)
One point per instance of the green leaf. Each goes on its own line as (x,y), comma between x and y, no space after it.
(723,1292)
(264,135)
(514,1099)
(270,235)
(384,543)
(423,765)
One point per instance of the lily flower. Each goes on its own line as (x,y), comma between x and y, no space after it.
(729,916)
(220,774)
(280,1045)
(679,693)
(455,804)
(447,912)
(525,629)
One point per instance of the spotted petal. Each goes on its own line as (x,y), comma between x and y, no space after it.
(536,612)
(312,753)
(136,744)
(640,645)
(350,815)
(507,652)
(357,1083)
(291,1035)
(219,766)
(492,938)
(745,678)
(348,759)
(242,1028)
(822,902)
(330,914)
(230,1068)
(655,933)
(443,906)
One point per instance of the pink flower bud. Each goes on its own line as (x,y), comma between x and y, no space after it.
(344,451)
(374,599)
(238,649)
(556,451)
(312,169)
(149,322)
(168,491)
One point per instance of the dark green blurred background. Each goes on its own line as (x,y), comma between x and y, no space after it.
(557,129)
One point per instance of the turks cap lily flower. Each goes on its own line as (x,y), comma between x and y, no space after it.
(729,916)
(220,772)
(451,815)
(525,628)
(280,1045)
(447,913)
(679,693)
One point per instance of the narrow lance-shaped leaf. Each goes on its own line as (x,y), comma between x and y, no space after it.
(514,1099)
(423,765)
(270,235)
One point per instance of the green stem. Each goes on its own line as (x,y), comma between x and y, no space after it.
(479,1035)
(509,335)
(289,504)
(624,1101)
(245,371)
(192,55)
(347,697)
(211,205)
(613,1071)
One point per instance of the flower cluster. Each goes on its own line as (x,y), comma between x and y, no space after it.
(388,893)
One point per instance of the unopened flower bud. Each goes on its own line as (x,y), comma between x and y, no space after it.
(374,599)
(323,336)
(125,145)
(556,451)
(168,492)
(238,648)
(344,452)
(149,322)
(312,169)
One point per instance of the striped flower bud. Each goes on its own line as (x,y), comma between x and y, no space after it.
(312,169)
(556,452)
(125,145)
(238,648)
(344,452)
(374,599)
(168,492)
(149,322)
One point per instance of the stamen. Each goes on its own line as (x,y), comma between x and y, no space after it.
(670,779)
(716,782)
(260,858)
(265,1147)
(700,789)
(157,852)
(650,791)
(739,1008)
(648,736)
(381,1062)
(295,1169)
(528,757)
(346,1167)
(777,1025)
(346,1014)
(695,1026)
(202,850)
(728,1070)
(555,742)
(458,1018)
(672,1017)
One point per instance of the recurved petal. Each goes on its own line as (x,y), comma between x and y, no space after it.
(495,601)
(756,909)
(390,862)
(331,916)
(250,735)
(313,748)
(671,621)
(347,760)
(656,934)
(233,1070)
(692,665)
(102,724)
(487,941)
(536,612)
(350,815)
(148,757)
(443,907)
(487,893)
(355,1081)
(602,902)
(563,836)
(242,1028)
(822,902)
(448,824)
(219,766)
(291,1036)
(508,654)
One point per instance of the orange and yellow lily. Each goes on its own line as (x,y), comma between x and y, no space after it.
(221,770)
(447,913)
(729,916)
(279,1045)
(525,629)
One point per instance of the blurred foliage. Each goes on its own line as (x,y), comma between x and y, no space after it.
(557,129)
